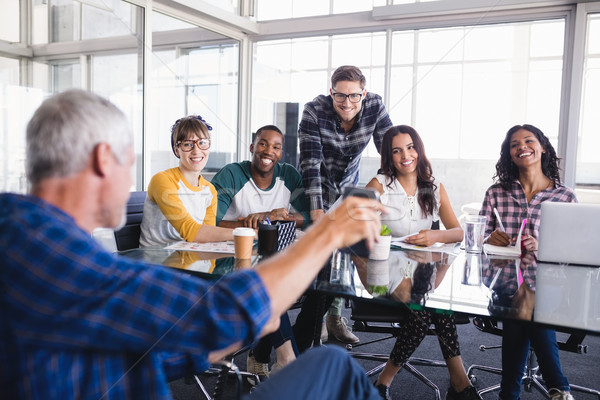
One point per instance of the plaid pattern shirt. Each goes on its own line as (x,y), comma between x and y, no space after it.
(330,157)
(77,322)
(513,207)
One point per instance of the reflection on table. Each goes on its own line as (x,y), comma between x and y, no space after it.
(203,264)
(475,284)
(480,285)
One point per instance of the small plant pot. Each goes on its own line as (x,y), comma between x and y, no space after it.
(381,250)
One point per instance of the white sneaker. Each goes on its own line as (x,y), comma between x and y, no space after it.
(556,394)
(256,368)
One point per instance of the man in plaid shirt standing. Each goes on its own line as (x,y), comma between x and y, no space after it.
(333,132)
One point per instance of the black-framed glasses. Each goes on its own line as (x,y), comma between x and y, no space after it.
(341,97)
(188,145)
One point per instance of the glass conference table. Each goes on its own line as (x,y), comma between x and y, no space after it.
(557,295)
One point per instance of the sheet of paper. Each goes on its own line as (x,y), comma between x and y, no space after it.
(399,240)
(452,248)
(213,247)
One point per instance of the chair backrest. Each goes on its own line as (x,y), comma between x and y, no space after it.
(128,237)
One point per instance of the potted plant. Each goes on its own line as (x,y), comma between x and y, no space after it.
(381,250)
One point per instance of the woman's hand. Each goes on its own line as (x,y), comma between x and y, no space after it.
(425,237)
(529,243)
(499,238)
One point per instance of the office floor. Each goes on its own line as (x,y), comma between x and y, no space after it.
(581,369)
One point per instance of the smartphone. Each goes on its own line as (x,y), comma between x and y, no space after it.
(364,192)
(360,249)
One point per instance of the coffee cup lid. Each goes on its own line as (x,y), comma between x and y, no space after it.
(243,232)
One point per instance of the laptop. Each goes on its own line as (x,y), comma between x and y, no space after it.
(569,233)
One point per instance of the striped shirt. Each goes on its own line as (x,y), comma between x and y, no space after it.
(77,322)
(513,207)
(330,157)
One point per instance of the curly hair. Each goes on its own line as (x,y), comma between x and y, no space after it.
(425,178)
(507,171)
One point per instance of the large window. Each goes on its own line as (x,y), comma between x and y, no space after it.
(197,74)
(281,9)
(462,88)
(99,46)
(588,162)
(113,73)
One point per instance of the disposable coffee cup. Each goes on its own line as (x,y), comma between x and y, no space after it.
(243,238)
(474,231)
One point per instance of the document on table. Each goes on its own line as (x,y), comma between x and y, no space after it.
(398,242)
(211,247)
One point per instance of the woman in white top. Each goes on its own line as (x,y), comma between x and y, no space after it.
(415,201)
(412,195)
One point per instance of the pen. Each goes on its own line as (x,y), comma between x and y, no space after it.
(498,219)
(267,221)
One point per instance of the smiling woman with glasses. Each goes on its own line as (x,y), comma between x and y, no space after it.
(181,204)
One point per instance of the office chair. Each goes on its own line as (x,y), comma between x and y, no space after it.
(388,320)
(128,237)
(223,370)
(531,378)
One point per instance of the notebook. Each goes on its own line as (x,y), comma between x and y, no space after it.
(569,233)
(510,251)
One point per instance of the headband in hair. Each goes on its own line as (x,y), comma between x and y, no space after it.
(198,117)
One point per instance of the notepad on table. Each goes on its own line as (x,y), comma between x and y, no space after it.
(506,250)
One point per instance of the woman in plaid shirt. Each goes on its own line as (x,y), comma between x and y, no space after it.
(527,174)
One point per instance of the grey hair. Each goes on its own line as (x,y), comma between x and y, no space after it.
(66,128)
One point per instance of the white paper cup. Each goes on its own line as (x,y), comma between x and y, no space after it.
(243,238)
(381,249)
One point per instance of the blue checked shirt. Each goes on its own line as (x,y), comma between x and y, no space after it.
(513,207)
(79,322)
(329,158)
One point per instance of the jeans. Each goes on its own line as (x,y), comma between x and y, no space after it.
(262,350)
(516,339)
(320,373)
(309,319)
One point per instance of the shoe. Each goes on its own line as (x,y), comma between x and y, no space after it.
(469,393)
(336,326)
(384,391)
(556,394)
(324,333)
(256,368)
